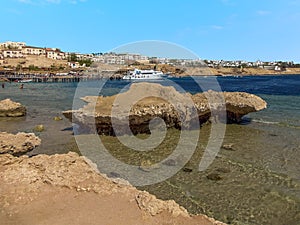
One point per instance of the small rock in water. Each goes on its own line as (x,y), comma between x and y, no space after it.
(57,118)
(39,128)
(214,176)
(187,170)
(113,175)
(228,147)
(223,170)
(170,162)
(147,166)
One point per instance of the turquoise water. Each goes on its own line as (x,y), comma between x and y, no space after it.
(258,181)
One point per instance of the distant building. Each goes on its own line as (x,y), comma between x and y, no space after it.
(119,59)
(12,54)
(268,67)
(74,65)
(30,50)
(12,45)
(55,53)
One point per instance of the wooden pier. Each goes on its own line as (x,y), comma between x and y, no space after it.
(44,78)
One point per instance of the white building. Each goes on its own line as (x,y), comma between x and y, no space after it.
(30,50)
(13,45)
(54,53)
(12,54)
(74,65)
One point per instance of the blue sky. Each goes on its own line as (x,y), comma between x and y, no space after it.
(214,29)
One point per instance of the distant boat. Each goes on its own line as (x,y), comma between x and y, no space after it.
(137,74)
(25,81)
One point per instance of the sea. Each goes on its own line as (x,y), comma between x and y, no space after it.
(257,181)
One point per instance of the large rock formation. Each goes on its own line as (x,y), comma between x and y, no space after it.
(67,189)
(11,109)
(18,144)
(145,101)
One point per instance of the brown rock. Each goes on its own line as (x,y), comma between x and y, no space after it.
(18,144)
(214,176)
(165,103)
(228,147)
(65,189)
(154,206)
(9,108)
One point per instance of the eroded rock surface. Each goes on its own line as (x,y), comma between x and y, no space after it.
(145,101)
(8,108)
(67,189)
(18,144)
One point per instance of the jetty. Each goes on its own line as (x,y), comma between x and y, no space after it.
(64,77)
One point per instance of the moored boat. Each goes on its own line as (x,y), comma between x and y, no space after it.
(25,81)
(137,74)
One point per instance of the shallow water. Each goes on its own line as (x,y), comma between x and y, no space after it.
(253,186)
(43,103)
(258,180)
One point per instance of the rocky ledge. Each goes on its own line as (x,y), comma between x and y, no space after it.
(68,189)
(18,144)
(176,109)
(8,108)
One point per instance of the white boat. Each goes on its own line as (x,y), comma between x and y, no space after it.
(137,74)
(25,81)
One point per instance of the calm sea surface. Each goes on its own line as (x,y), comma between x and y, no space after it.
(258,180)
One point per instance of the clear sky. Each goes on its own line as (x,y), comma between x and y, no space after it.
(214,29)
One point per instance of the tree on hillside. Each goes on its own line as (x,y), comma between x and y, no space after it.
(72,58)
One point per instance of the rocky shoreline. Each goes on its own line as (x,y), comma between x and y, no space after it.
(53,189)
(69,181)
(68,188)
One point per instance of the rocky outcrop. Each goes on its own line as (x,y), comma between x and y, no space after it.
(29,184)
(18,144)
(9,108)
(176,109)
(237,104)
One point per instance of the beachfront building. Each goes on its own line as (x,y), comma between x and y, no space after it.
(12,54)
(30,50)
(12,45)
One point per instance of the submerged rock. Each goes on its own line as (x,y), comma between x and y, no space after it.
(147,166)
(170,162)
(111,115)
(8,108)
(39,128)
(223,170)
(57,118)
(214,176)
(18,144)
(187,170)
(228,147)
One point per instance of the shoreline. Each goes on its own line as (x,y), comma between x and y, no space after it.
(70,76)
(68,182)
